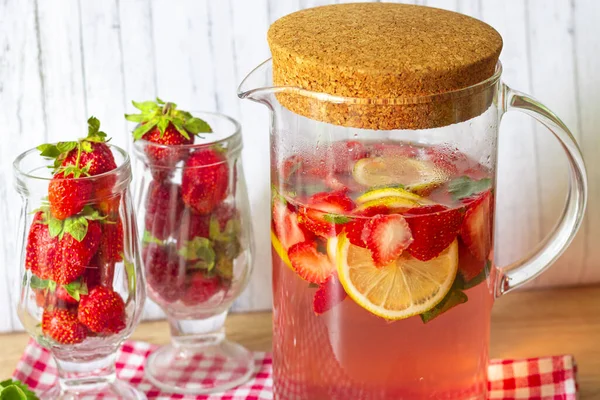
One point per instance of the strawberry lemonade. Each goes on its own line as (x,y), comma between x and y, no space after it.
(381,273)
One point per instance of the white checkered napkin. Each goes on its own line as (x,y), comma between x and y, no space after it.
(547,378)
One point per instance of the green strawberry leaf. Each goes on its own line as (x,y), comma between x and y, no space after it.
(76,289)
(159,101)
(454,297)
(91,214)
(38,283)
(148,238)
(143,129)
(76,227)
(93,126)
(231,231)
(201,251)
(196,125)
(162,125)
(55,227)
(464,187)
(13,389)
(145,106)
(135,117)
(86,146)
(336,219)
(48,150)
(65,147)
(131,277)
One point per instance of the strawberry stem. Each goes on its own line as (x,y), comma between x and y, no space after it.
(166,108)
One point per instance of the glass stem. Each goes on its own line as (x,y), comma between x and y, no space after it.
(204,332)
(78,376)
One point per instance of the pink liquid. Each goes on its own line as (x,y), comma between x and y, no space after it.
(348,353)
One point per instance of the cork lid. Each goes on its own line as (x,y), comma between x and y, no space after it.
(381,52)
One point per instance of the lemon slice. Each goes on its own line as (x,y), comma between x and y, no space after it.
(401,289)
(378,193)
(415,175)
(332,244)
(280,250)
(393,204)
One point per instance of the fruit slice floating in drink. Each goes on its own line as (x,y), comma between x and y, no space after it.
(407,237)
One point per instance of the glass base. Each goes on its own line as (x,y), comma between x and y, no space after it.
(102,390)
(200,369)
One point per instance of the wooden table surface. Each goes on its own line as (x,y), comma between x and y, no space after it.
(524,324)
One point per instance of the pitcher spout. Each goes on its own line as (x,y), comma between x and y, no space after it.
(258,85)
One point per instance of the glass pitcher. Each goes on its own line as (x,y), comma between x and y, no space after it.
(382,243)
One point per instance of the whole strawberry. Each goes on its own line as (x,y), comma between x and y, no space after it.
(164,126)
(68,195)
(200,288)
(111,242)
(163,209)
(192,225)
(165,273)
(205,180)
(78,241)
(102,311)
(41,247)
(62,326)
(86,157)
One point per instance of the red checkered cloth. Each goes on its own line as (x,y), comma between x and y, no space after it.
(547,378)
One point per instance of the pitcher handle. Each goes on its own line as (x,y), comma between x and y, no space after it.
(553,245)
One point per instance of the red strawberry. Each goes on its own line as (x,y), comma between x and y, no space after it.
(164,271)
(73,256)
(322,210)
(205,180)
(476,230)
(92,276)
(286,225)
(200,288)
(41,297)
(446,158)
(468,266)
(328,295)
(111,242)
(433,229)
(165,128)
(63,295)
(67,195)
(163,209)
(395,150)
(41,247)
(355,231)
(309,264)
(387,237)
(97,158)
(102,311)
(62,326)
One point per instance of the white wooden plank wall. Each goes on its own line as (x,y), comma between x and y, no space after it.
(63,60)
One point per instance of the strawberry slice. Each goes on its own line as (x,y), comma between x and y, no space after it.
(286,225)
(328,295)
(433,228)
(309,264)
(325,210)
(469,267)
(476,230)
(387,236)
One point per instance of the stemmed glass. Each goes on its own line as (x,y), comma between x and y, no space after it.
(193,214)
(82,290)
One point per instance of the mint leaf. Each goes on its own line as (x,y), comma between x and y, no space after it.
(336,219)
(55,226)
(464,186)
(145,106)
(134,117)
(196,125)
(482,276)
(48,150)
(453,298)
(148,238)
(10,388)
(76,227)
(143,129)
